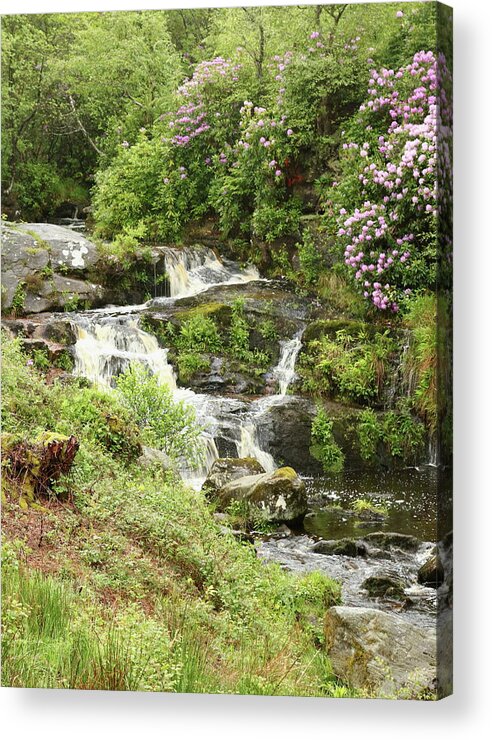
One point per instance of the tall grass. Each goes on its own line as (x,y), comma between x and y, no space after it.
(49,641)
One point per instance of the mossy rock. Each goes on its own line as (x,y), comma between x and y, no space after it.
(386,585)
(220,312)
(226,469)
(343,546)
(278,496)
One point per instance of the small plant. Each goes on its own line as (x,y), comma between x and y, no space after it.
(165,424)
(71,301)
(41,359)
(18,299)
(190,363)
(268,330)
(363,506)
(369,433)
(324,447)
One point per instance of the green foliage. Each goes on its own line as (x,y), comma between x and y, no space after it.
(165,424)
(19,297)
(369,434)
(199,333)
(190,363)
(310,259)
(421,358)
(362,505)
(349,367)
(403,435)
(397,431)
(324,447)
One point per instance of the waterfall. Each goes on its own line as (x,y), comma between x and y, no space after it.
(285,370)
(107,345)
(109,340)
(190,270)
(249,446)
(433,451)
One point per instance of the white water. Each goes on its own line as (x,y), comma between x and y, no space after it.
(285,370)
(109,340)
(190,270)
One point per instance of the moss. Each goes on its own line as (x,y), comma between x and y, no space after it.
(285,473)
(221,312)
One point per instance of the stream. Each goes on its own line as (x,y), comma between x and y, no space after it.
(109,339)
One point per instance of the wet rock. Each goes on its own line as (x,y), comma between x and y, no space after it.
(225,470)
(286,433)
(372,650)
(385,584)
(431,573)
(388,540)
(343,546)
(279,496)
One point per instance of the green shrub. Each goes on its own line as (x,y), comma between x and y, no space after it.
(324,447)
(165,424)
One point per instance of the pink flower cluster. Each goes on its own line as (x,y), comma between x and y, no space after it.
(398,176)
(191,119)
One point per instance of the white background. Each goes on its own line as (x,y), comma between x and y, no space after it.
(40,714)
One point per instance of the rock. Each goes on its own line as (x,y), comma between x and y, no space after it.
(44,268)
(151,457)
(388,540)
(431,573)
(343,546)
(226,469)
(66,248)
(371,515)
(279,496)
(286,433)
(386,584)
(372,650)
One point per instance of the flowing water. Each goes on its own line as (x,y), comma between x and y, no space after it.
(191,270)
(108,340)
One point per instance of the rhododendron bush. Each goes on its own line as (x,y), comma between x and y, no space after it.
(388,200)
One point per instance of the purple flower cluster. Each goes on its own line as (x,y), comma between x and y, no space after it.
(398,173)
(192,119)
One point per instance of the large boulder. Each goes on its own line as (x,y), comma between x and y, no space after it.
(279,496)
(226,469)
(379,652)
(285,433)
(66,247)
(45,267)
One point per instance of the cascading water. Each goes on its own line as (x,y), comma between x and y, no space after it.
(190,270)
(109,340)
(285,370)
(106,345)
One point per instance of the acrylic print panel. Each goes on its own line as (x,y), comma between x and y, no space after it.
(227,419)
